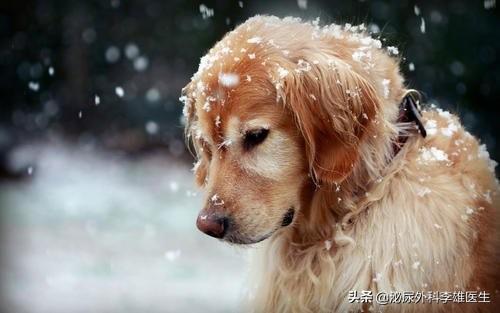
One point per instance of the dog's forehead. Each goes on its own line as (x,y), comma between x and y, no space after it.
(233,81)
(231,97)
(227,125)
(236,50)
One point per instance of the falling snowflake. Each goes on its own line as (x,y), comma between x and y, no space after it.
(115,4)
(422,25)
(174,186)
(97,100)
(490,4)
(172,255)
(302,4)
(112,54)
(152,127)
(153,95)
(205,11)
(119,91)
(141,63)
(35,86)
(374,29)
(416,9)
(131,51)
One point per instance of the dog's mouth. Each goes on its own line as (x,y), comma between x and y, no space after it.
(287,220)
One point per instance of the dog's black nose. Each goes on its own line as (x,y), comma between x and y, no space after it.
(212,224)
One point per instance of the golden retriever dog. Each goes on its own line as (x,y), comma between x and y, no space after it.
(304,142)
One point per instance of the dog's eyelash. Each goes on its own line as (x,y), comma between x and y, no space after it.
(254,138)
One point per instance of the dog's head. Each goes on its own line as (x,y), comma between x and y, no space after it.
(276,107)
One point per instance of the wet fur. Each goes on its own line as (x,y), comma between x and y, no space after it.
(366,219)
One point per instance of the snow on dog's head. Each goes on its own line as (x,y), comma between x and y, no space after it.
(276,108)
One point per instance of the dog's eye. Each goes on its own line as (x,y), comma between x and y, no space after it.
(254,138)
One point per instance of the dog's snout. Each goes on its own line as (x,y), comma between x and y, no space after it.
(212,224)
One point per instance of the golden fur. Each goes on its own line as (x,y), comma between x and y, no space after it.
(425,219)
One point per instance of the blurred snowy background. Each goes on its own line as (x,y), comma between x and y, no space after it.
(97,202)
(96,231)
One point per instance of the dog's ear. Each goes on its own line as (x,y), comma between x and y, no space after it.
(333,106)
(201,170)
(193,135)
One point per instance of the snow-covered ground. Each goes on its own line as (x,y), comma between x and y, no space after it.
(92,231)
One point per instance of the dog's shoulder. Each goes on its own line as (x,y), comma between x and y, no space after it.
(454,183)
(451,152)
